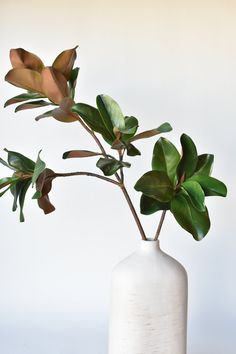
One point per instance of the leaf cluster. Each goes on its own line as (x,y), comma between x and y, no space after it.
(26,173)
(180,183)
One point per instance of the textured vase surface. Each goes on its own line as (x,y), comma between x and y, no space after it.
(148,304)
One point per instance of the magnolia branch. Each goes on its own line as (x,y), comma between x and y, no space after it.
(91,174)
(119,179)
(160,225)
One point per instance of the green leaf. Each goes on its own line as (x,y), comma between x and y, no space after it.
(93,119)
(131,126)
(189,158)
(165,158)
(73,80)
(189,218)
(211,186)
(23,97)
(155,184)
(3,192)
(20,162)
(204,164)
(38,169)
(79,153)
(132,150)
(110,166)
(196,194)
(163,128)
(5,164)
(22,195)
(7,180)
(150,205)
(32,104)
(44,115)
(111,113)
(15,190)
(37,195)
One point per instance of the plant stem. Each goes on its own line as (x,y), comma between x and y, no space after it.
(91,132)
(119,179)
(91,174)
(135,215)
(160,225)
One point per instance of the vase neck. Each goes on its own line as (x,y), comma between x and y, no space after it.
(149,246)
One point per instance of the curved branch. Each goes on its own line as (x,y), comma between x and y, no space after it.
(84,173)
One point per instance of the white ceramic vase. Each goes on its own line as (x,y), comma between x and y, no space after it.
(148,304)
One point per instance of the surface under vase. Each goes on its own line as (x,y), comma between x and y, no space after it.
(148,304)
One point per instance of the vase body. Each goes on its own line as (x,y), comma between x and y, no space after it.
(148,304)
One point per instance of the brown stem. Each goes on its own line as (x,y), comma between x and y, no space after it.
(119,179)
(91,174)
(136,218)
(121,170)
(91,132)
(160,225)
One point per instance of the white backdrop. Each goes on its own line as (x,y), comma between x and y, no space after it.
(162,61)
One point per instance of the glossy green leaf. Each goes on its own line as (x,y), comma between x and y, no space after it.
(22,195)
(37,195)
(7,180)
(150,205)
(38,169)
(131,126)
(5,190)
(132,150)
(163,128)
(155,184)
(79,153)
(165,158)
(111,113)
(110,166)
(192,220)
(196,194)
(204,164)
(93,119)
(211,186)
(4,163)
(32,105)
(23,97)
(19,191)
(15,190)
(73,80)
(20,162)
(189,158)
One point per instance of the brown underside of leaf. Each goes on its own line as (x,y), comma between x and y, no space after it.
(21,58)
(26,79)
(44,185)
(64,113)
(45,204)
(54,85)
(64,62)
(36,104)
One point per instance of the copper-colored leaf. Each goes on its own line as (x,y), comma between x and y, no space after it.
(79,153)
(31,105)
(25,78)
(45,204)
(64,113)
(54,84)
(44,186)
(44,181)
(21,58)
(64,62)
